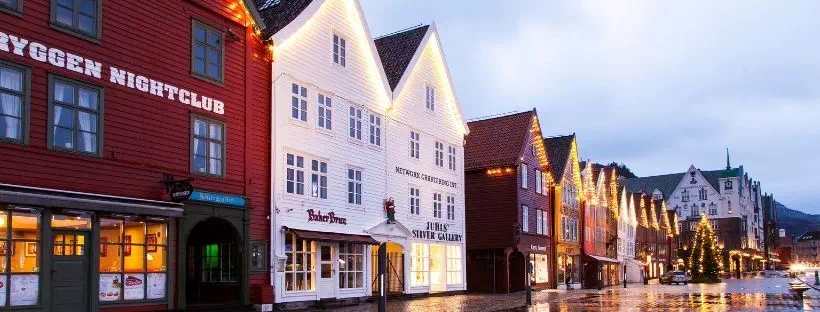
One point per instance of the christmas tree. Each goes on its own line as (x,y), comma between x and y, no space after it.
(705,259)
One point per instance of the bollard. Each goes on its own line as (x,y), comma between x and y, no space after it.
(624,274)
(382,272)
(817,277)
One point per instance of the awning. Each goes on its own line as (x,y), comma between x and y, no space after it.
(333,237)
(603,259)
(35,196)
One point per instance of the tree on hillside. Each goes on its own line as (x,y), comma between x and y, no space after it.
(705,258)
(623,170)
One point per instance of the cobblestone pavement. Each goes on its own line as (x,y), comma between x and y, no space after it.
(752,294)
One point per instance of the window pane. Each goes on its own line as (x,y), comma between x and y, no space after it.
(88,142)
(63,117)
(88,99)
(86,24)
(199,147)
(10,105)
(215,150)
(10,127)
(199,33)
(87,7)
(215,131)
(63,138)
(134,257)
(64,16)
(199,65)
(110,257)
(77,222)
(25,256)
(157,234)
(155,258)
(26,225)
(213,71)
(215,167)
(199,164)
(214,38)
(134,232)
(11,79)
(134,287)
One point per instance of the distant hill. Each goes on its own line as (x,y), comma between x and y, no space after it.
(795,222)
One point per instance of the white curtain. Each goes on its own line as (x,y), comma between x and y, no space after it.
(11,105)
(87,139)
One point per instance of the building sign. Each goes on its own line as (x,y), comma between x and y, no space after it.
(217,198)
(330,217)
(538,248)
(180,191)
(425,177)
(82,65)
(437,231)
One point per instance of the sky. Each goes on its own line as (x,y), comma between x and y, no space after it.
(657,85)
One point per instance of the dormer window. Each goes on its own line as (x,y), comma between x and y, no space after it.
(339,50)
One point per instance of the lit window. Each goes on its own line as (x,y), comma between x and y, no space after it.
(298,102)
(419,264)
(295,179)
(351,265)
(80,17)
(523,173)
(21,264)
(318,179)
(525,219)
(209,147)
(375,130)
(415,201)
(133,259)
(324,112)
(300,273)
(339,50)
(13,101)
(208,49)
(451,208)
(431,98)
(354,186)
(437,205)
(454,275)
(439,154)
(414,145)
(75,116)
(355,123)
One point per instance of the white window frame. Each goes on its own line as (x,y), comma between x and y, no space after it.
(430,97)
(523,171)
(539,182)
(437,205)
(415,139)
(355,126)
(298,102)
(419,264)
(339,50)
(525,218)
(297,172)
(454,273)
(439,150)
(308,252)
(318,178)
(354,186)
(324,112)
(346,254)
(451,157)
(375,133)
(415,200)
(451,207)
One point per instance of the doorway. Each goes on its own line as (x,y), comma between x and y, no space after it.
(70,271)
(394,277)
(213,264)
(327,271)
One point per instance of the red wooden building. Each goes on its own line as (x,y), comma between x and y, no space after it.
(507,204)
(107,108)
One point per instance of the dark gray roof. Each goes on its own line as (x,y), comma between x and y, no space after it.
(397,50)
(558,149)
(667,183)
(279,13)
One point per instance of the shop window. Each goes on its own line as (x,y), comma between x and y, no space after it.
(208,140)
(14,97)
(299,267)
(325,112)
(351,265)
(79,17)
(75,116)
(419,264)
(295,181)
(133,259)
(540,268)
(318,179)
(454,275)
(19,257)
(208,49)
(375,130)
(216,262)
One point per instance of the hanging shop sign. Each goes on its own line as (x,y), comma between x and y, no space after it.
(218,198)
(180,191)
(437,231)
(425,177)
(330,217)
(115,75)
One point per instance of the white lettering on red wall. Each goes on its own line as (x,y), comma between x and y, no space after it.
(82,65)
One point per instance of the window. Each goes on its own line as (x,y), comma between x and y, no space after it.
(454,275)
(14,90)
(22,238)
(351,265)
(318,179)
(134,258)
(538,181)
(208,141)
(300,273)
(415,201)
(431,98)
(419,264)
(258,256)
(208,49)
(437,205)
(704,195)
(539,216)
(729,205)
(354,186)
(339,50)
(295,177)
(324,112)
(414,145)
(525,219)
(439,154)
(75,116)
(684,196)
(375,130)
(12,6)
(80,17)
(727,185)
(451,158)
(544,184)
(713,224)
(451,207)
(523,173)
(713,210)
(298,102)
(355,123)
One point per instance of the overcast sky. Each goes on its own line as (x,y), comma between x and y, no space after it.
(658,85)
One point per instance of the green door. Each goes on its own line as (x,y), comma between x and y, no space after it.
(69,272)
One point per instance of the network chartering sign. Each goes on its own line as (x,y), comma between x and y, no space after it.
(82,65)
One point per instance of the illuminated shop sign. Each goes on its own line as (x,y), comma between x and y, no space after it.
(437,231)
(82,65)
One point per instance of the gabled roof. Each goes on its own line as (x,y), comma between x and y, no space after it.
(558,149)
(279,13)
(667,183)
(397,50)
(496,141)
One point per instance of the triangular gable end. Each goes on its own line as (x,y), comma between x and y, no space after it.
(289,34)
(390,230)
(432,32)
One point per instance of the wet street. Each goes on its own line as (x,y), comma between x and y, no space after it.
(751,294)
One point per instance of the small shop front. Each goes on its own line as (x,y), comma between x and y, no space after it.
(537,249)
(600,271)
(436,259)
(568,267)
(100,251)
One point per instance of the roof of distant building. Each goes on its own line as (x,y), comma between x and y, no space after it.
(667,183)
(279,13)
(396,50)
(496,141)
(558,149)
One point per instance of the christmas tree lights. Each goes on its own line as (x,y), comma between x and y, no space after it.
(705,257)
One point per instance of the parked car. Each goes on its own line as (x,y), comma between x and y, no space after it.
(775,273)
(677,277)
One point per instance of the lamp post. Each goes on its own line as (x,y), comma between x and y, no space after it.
(529,278)
(624,273)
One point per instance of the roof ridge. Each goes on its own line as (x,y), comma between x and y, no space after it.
(496,116)
(420,25)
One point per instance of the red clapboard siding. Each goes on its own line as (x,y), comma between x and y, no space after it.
(490,204)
